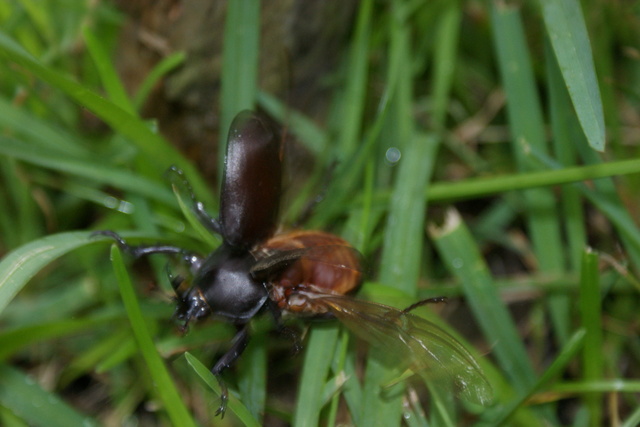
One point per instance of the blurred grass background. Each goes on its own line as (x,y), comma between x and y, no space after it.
(470,159)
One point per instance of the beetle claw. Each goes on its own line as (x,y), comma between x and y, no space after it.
(224,397)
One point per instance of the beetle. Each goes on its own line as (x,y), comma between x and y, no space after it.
(302,273)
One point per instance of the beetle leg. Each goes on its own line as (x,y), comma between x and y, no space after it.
(238,345)
(190,258)
(205,219)
(179,180)
(290,333)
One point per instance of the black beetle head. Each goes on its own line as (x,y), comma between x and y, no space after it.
(191,306)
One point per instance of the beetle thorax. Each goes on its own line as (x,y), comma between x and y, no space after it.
(224,282)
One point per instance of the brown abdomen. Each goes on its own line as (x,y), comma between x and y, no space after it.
(327,262)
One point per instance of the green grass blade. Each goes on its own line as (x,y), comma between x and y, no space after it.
(602,386)
(633,420)
(444,59)
(462,257)
(591,320)
(567,31)
(234,405)
(240,53)
(110,79)
(319,352)
(252,373)
(527,129)
(565,129)
(554,370)
(165,66)
(86,168)
(476,187)
(402,248)
(38,407)
(352,105)
(155,148)
(13,340)
(20,265)
(164,386)
(39,131)
(313,137)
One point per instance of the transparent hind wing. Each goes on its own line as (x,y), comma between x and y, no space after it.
(413,342)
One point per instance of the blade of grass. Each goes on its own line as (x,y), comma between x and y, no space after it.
(567,31)
(240,54)
(153,146)
(554,370)
(252,373)
(41,408)
(605,198)
(527,129)
(315,369)
(21,217)
(164,385)
(165,66)
(20,265)
(13,340)
(462,257)
(234,405)
(314,138)
(350,111)
(478,187)
(633,420)
(591,320)
(339,361)
(402,246)
(39,131)
(108,75)
(602,386)
(88,168)
(566,136)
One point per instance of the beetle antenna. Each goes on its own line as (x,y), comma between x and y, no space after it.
(435,300)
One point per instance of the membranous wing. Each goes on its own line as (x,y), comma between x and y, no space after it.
(413,341)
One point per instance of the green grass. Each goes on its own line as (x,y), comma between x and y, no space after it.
(511,197)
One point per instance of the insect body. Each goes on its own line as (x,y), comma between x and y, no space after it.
(305,273)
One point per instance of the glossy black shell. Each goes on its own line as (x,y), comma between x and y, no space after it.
(251,187)
(224,282)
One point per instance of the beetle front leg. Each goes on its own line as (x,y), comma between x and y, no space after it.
(190,258)
(238,345)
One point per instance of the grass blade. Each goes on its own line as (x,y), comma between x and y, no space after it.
(234,405)
(462,257)
(20,265)
(591,319)
(317,361)
(164,386)
(42,408)
(567,31)
(90,169)
(240,53)
(527,129)
(155,148)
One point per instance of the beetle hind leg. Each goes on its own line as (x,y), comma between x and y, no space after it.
(179,181)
